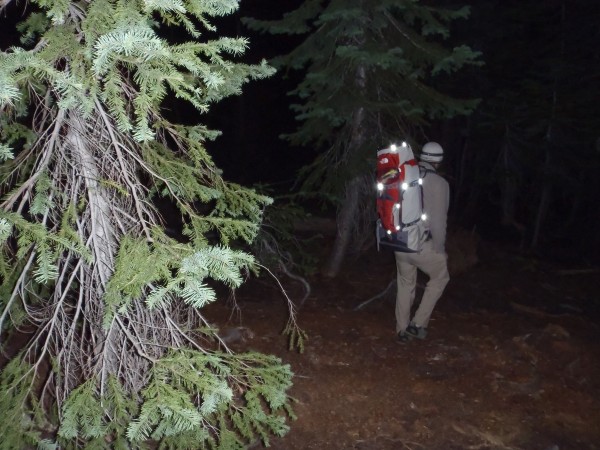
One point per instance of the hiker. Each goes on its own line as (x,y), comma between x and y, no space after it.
(432,259)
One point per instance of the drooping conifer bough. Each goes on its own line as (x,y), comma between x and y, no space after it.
(117,350)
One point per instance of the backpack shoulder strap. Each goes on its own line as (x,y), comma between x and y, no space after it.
(423,171)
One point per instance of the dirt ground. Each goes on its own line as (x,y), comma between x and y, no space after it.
(511,360)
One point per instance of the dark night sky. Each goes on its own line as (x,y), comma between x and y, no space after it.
(251,123)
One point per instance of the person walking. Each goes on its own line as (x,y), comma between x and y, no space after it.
(432,260)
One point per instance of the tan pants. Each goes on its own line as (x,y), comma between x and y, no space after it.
(433,265)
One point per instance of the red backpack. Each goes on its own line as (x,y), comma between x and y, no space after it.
(400,224)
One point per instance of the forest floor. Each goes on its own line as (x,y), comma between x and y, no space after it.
(512,359)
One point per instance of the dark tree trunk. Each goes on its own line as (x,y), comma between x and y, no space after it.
(347,216)
(461,171)
(511,181)
(509,186)
(346,221)
(542,209)
(546,194)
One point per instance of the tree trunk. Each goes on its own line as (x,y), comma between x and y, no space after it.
(347,216)
(461,169)
(544,203)
(510,187)
(103,238)
(346,220)
(546,195)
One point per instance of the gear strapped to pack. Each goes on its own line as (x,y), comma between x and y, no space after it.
(400,225)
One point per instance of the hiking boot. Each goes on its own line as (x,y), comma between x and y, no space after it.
(417,332)
(404,337)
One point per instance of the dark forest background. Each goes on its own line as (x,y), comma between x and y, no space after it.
(523,167)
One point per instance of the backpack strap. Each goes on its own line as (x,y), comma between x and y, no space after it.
(423,171)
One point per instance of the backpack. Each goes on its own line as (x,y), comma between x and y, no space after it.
(400,225)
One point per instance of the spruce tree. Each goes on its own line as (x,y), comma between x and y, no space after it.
(117,351)
(371,71)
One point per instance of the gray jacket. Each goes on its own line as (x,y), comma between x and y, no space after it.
(436,200)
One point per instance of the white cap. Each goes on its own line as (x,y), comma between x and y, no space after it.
(432,152)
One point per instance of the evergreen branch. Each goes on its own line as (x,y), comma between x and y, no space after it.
(134,341)
(95,80)
(132,187)
(17,287)
(298,21)
(71,335)
(58,123)
(48,327)
(295,334)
